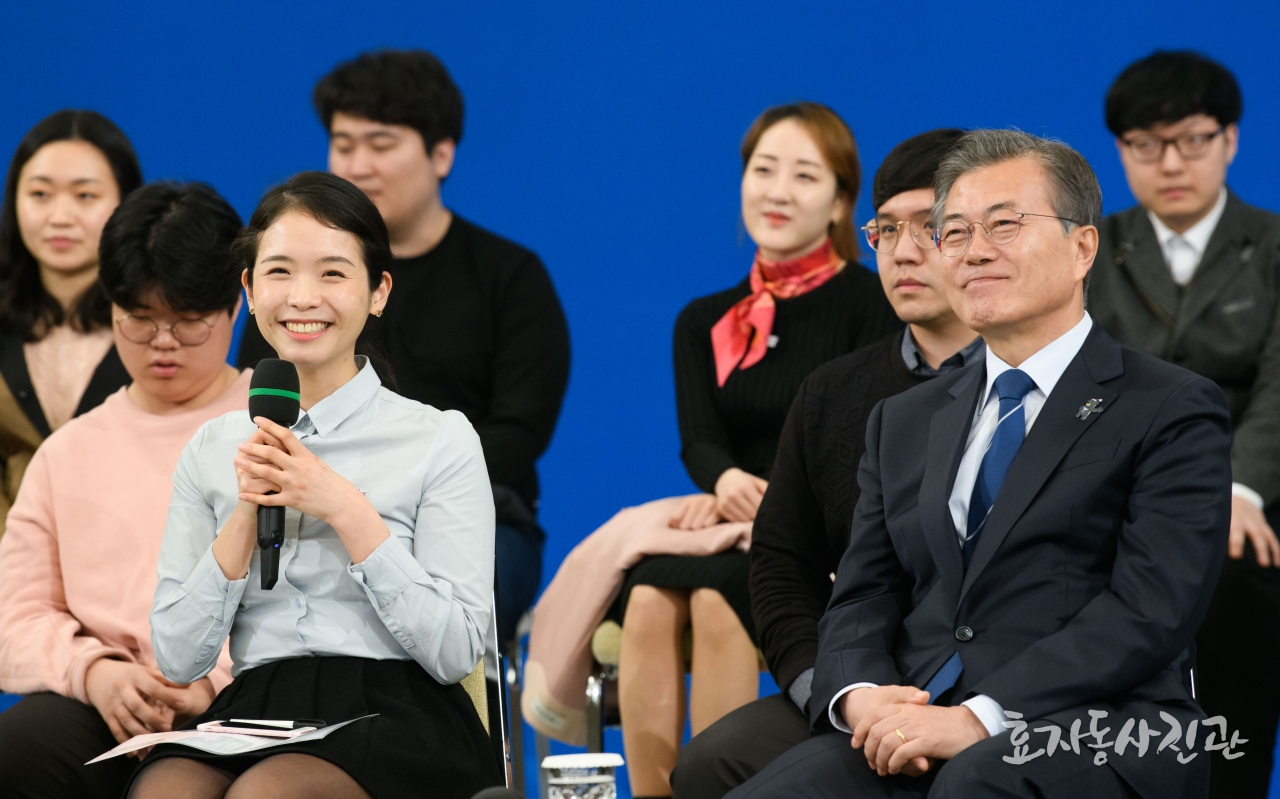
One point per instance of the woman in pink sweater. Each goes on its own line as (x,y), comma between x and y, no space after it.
(78,563)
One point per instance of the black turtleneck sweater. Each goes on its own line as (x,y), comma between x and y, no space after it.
(739,424)
(474,325)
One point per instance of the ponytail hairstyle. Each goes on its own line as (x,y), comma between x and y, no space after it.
(338,204)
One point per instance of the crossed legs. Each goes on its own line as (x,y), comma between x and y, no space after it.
(651,676)
(286,776)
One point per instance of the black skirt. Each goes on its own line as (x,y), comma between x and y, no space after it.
(426,739)
(726,572)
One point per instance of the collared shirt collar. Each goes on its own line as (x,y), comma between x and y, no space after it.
(1197,236)
(917,364)
(1047,365)
(334,409)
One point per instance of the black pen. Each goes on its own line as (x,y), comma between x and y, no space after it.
(275,725)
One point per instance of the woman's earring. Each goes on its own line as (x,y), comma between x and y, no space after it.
(378,313)
(251,310)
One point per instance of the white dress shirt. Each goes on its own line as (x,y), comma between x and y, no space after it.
(1045,368)
(1183,251)
(424,594)
(1182,254)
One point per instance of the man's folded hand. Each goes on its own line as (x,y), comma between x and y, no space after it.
(908,738)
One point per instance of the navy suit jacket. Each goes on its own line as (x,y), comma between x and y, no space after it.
(1095,567)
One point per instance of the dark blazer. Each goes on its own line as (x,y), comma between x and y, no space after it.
(1095,568)
(1221,325)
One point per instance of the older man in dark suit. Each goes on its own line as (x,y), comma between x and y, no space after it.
(1037,538)
(1192,274)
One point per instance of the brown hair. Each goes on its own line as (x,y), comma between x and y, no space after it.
(835,141)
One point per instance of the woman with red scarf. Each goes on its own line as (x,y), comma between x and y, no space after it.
(740,356)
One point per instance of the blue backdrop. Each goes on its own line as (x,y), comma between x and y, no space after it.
(605,137)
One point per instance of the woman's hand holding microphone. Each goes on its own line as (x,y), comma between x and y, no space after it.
(274,460)
(274,468)
(233,549)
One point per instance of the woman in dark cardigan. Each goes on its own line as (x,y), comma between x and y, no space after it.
(740,356)
(56,356)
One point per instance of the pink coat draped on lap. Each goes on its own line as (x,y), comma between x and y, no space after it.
(578,597)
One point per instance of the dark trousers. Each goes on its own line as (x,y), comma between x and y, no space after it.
(45,740)
(519,554)
(737,747)
(825,766)
(1238,670)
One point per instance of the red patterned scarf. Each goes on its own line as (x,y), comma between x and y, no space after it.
(745,329)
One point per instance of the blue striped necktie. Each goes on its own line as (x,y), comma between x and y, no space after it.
(1012,387)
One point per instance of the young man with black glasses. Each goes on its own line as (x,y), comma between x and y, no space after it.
(1192,274)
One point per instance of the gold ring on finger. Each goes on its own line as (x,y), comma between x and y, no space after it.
(900,735)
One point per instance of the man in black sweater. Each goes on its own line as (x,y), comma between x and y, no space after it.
(802,528)
(473,323)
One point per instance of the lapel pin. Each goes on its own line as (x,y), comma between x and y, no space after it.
(1092,406)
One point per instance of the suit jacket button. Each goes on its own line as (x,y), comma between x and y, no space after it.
(964,634)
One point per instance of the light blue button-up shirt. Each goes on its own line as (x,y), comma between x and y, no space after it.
(424,594)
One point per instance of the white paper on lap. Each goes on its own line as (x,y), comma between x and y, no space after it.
(217,743)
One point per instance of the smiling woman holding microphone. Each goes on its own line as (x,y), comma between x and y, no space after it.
(386,572)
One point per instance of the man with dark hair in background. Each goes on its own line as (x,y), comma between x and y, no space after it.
(473,323)
(1192,274)
(802,526)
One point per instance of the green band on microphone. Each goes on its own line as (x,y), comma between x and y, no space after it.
(275,392)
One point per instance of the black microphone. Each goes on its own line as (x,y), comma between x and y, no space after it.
(273,393)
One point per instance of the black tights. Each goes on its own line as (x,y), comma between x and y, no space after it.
(286,776)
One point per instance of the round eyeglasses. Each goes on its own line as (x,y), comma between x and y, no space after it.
(1149,149)
(142,330)
(1001,227)
(883,236)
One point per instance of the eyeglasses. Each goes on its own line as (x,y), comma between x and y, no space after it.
(1149,149)
(143,330)
(1001,228)
(884,236)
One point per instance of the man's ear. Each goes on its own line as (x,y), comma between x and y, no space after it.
(1231,136)
(1086,248)
(442,158)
